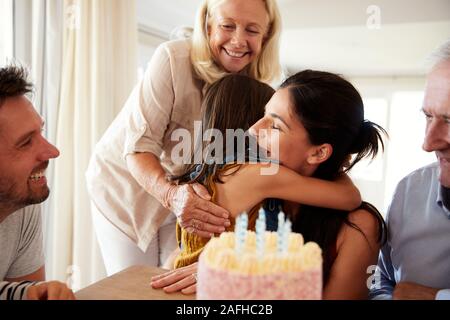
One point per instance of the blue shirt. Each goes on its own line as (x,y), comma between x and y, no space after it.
(418,246)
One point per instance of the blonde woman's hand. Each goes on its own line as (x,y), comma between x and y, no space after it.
(182,279)
(52,290)
(192,205)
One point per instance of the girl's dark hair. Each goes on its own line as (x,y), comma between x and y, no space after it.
(331,110)
(233,102)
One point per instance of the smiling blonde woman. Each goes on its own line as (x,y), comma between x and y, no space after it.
(263,67)
(134,206)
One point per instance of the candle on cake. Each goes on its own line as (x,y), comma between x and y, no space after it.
(261,233)
(240,231)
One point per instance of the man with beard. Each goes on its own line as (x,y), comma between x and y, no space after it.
(24,157)
(415,262)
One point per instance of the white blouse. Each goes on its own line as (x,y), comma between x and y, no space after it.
(169,97)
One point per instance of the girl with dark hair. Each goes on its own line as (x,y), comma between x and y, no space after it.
(319,121)
(297,155)
(236,102)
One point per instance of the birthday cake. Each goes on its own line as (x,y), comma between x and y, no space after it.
(260,266)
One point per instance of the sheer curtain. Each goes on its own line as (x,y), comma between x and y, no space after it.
(99,69)
(37,44)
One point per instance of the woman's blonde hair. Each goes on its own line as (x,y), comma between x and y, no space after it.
(266,67)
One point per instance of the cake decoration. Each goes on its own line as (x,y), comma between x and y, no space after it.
(260,265)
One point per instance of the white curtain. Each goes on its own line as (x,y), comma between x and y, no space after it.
(38,45)
(38,35)
(99,70)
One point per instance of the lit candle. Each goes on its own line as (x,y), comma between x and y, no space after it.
(241,231)
(237,233)
(262,216)
(280,230)
(286,232)
(245,222)
(261,232)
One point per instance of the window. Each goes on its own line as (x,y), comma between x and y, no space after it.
(399,113)
(369,174)
(407,132)
(6,31)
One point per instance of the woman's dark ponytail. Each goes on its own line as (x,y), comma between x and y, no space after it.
(367,143)
(332,111)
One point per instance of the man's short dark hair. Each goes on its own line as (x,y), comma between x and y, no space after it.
(13,82)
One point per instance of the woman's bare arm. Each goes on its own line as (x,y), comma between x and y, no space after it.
(288,185)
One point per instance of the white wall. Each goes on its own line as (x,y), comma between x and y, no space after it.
(393,50)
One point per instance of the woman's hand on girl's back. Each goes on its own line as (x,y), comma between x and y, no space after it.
(192,204)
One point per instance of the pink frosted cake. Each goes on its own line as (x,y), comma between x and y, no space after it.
(263,273)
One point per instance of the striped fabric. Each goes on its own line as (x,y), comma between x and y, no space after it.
(14,290)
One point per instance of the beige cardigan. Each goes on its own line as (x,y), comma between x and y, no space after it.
(168,97)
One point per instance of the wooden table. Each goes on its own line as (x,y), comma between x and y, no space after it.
(130,284)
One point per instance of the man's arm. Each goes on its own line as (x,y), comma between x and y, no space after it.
(39,275)
(17,288)
(26,273)
(414,291)
(384,284)
(29,260)
(14,290)
(26,290)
